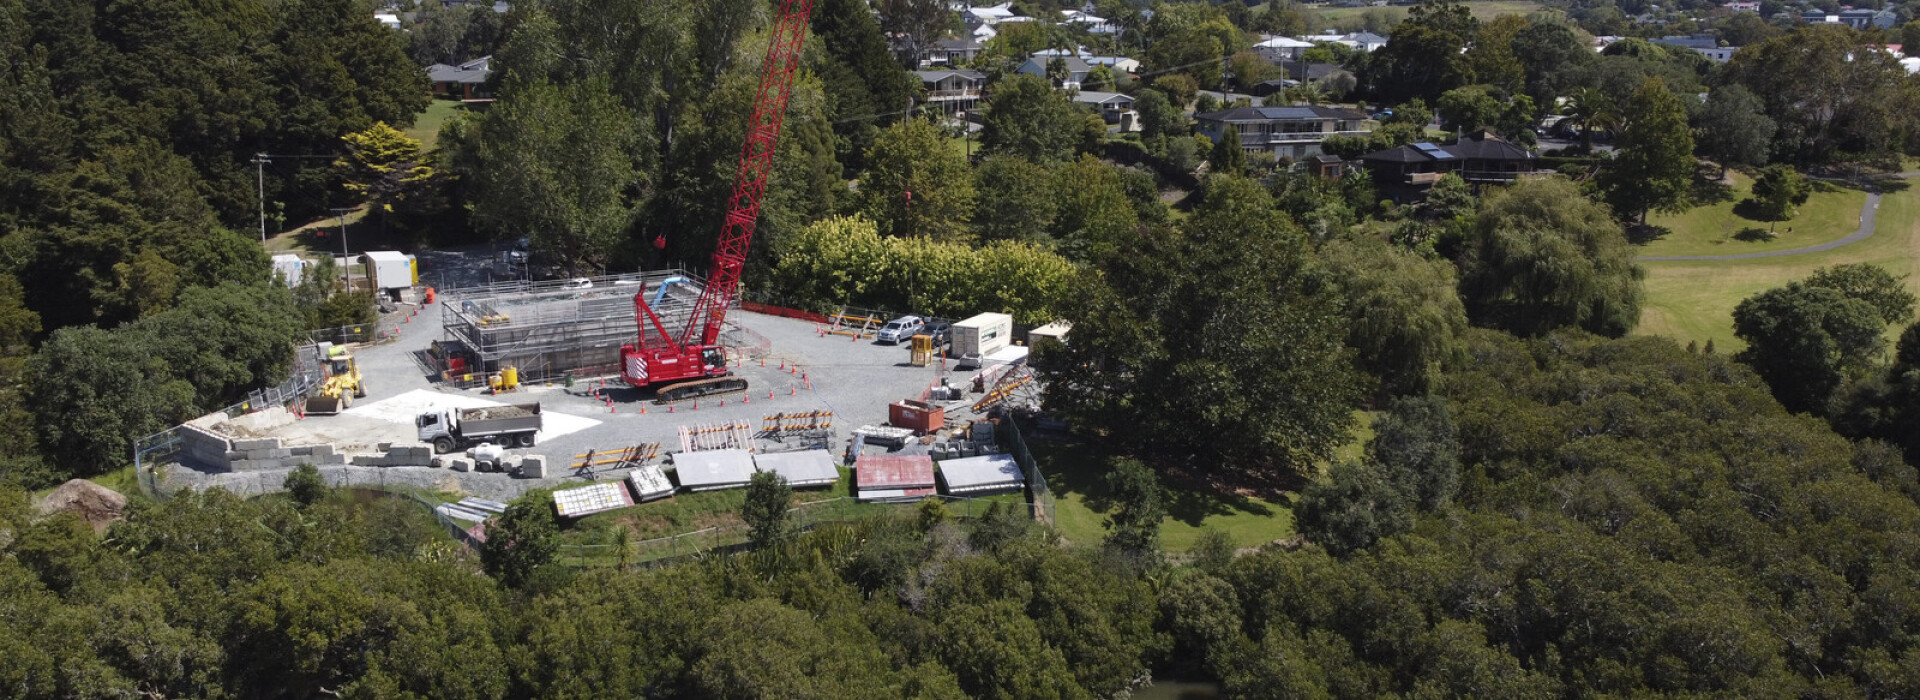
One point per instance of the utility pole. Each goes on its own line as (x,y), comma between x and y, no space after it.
(347,262)
(260,176)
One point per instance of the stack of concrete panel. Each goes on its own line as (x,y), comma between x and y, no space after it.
(712,470)
(649,483)
(975,476)
(893,478)
(801,469)
(587,500)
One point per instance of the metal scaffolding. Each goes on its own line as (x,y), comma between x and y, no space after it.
(550,333)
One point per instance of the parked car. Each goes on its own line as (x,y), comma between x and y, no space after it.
(900,329)
(579,283)
(940,330)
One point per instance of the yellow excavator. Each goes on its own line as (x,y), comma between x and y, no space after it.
(341,387)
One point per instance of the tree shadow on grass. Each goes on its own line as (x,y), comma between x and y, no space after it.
(1707,192)
(1078,465)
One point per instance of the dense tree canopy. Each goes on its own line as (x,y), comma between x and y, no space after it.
(1545,257)
(1149,371)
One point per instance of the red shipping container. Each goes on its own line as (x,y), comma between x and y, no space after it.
(917,416)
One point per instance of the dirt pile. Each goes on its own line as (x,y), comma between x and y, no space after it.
(97,504)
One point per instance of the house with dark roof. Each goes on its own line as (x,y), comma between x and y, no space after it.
(467,81)
(1480,158)
(1110,105)
(961,86)
(1290,132)
(1077,69)
(951,52)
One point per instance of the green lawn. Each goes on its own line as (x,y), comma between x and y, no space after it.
(1483,10)
(1075,469)
(1694,300)
(426,125)
(692,512)
(1709,230)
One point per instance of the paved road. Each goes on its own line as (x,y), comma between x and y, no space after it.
(1867,213)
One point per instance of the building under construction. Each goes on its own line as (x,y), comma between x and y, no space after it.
(551,331)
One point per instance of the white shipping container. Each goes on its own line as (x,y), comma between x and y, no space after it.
(982,335)
(291,267)
(391,269)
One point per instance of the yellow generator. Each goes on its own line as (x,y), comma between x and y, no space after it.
(341,387)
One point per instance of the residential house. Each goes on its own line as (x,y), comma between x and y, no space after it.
(951,52)
(989,15)
(1705,44)
(1110,105)
(957,89)
(1119,64)
(1263,89)
(1856,18)
(1094,24)
(387,19)
(1742,6)
(1364,41)
(1280,49)
(1077,69)
(1289,132)
(1481,158)
(467,81)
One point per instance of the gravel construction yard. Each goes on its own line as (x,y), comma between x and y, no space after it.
(805,371)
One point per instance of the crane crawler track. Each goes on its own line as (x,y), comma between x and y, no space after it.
(687,391)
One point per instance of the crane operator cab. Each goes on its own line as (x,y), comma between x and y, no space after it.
(715,359)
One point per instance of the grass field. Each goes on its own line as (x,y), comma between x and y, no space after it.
(1483,10)
(1076,468)
(1694,300)
(426,125)
(1709,230)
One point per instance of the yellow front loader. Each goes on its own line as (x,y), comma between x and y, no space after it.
(341,387)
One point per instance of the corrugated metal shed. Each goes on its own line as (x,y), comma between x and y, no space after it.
(711,470)
(806,468)
(980,475)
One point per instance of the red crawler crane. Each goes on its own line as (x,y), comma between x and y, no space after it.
(691,363)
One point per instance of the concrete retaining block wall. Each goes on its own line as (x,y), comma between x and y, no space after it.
(533,466)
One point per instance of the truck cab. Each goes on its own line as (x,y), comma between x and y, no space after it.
(900,329)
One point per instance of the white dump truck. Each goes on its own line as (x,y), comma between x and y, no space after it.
(981,336)
(507,426)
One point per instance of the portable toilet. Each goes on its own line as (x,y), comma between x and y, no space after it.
(291,268)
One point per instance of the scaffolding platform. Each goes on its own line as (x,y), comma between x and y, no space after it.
(548,333)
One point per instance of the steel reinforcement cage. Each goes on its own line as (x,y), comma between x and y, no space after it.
(549,333)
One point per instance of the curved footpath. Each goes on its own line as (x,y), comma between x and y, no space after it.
(1868,211)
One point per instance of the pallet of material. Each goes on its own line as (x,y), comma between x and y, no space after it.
(455,512)
(587,500)
(649,483)
(483,505)
(737,435)
(971,476)
(801,469)
(712,470)
(893,477)
(884,435)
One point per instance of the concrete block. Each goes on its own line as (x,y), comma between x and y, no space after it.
(232,455)
(534,466)
(367,460)
(275,453)
(383,446)
(332,459)
(460,464)
(300,450)
(257,444)
(321,450)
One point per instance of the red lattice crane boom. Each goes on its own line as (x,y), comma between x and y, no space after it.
(690,363)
